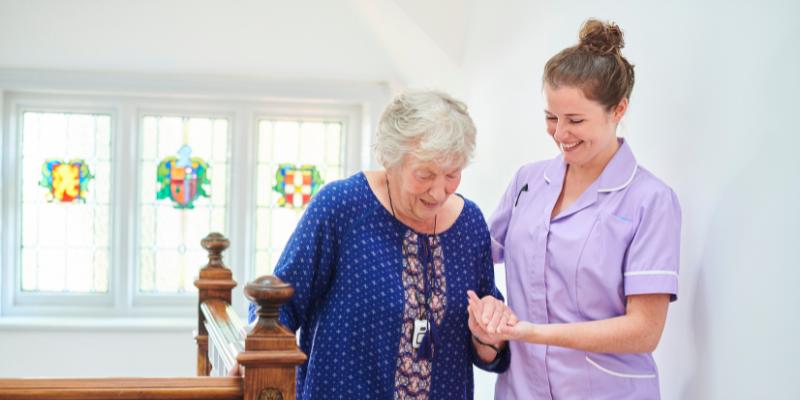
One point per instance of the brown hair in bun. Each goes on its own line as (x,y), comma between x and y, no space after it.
(595,65)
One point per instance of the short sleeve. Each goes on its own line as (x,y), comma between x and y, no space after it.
(498,223)
(653,258)
(308,261)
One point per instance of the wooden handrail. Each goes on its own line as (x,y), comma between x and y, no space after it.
(226,335)
(122,388)
(270,350)
(268,354)
(214,282)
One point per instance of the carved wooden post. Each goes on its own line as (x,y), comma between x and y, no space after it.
(271,352)
(214,282)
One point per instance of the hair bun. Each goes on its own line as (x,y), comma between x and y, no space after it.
(601,37)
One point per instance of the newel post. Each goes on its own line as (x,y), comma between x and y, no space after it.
(214,282)
(271,352)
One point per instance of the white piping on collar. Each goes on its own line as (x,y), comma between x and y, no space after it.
(635,168)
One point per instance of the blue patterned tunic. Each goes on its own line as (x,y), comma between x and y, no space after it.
(357,273)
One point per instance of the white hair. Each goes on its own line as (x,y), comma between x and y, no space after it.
(429,125)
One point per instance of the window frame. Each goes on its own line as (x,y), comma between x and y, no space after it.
(346,117)
(15,301)
(153,301)
(354,108)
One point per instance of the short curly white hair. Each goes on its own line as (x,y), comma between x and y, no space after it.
(429,125)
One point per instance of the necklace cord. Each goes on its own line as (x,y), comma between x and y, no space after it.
(429,283)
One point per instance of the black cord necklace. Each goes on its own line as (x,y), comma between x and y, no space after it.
(430,339)
(389,192)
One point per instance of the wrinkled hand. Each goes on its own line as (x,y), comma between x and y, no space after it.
(486,315)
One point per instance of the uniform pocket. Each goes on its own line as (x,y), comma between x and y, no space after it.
(622,376)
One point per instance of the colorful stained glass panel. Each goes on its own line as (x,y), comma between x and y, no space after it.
(295,158)
(66,181)
(295,185)
(184,180)
(66,186)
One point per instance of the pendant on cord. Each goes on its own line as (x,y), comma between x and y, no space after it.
(420,330)
(425,338)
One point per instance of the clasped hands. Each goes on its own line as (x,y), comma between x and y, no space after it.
(491,321)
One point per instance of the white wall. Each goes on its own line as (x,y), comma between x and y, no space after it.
(712,114)
(64,351)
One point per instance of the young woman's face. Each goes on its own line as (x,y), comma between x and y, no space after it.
(424,187)
(583,129)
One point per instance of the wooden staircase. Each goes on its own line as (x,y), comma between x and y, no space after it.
(267,355)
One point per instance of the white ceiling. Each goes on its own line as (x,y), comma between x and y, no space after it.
(398,41)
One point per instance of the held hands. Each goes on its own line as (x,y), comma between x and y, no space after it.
(493,322)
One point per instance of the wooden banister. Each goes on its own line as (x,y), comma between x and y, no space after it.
(122,389)
(271,352)
(226,334)
(214,282)
(267,363)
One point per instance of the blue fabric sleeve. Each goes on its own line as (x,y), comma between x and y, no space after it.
(308,260)
(487,288)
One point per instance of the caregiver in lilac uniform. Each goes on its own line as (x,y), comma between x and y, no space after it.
(590,242)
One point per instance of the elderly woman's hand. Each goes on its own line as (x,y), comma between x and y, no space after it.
(486,315)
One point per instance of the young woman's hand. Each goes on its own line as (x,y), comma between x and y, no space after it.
(522,331)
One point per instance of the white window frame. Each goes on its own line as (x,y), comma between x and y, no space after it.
(243,103)
(15,300)
(149,303)
(347,117)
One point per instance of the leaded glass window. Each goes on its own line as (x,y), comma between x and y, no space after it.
(184,181)
(295,158)
(66,187)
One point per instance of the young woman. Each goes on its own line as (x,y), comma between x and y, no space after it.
(590,242)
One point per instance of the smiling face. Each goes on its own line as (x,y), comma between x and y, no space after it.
(420,188)
(583,129)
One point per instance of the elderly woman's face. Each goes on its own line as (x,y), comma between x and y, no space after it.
(425,187)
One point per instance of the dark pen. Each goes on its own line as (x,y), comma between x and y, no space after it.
(524,189)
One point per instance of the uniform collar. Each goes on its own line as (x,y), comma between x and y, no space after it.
(617,175)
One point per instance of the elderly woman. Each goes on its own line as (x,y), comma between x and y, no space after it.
(381,263)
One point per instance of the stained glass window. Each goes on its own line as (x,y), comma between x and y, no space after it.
(66,181)
(296,185)
(295,158)
(184,179)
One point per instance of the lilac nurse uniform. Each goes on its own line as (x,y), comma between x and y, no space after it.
(619,238)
